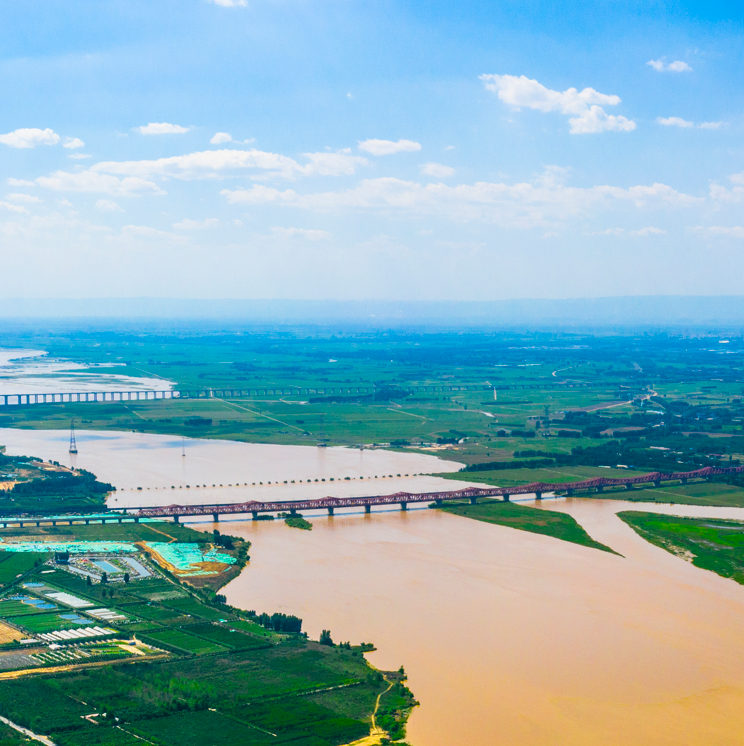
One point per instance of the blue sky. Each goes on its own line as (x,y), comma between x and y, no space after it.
(347,149)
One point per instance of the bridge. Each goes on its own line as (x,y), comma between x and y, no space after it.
(331,504)
(83,397)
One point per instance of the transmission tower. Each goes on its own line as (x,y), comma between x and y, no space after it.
(73,444)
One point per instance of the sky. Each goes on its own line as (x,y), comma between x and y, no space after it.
(371,149)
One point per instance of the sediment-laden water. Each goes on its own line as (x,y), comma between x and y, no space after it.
(156,463)
(508,637)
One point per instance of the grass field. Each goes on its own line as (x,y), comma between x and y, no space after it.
(711,544)
(534,520)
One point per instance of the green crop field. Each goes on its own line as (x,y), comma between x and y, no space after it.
(190,606)
(36,623)
(224,635)
(155,613)
(16,563)
(184,641)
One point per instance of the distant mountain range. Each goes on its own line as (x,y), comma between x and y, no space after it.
(668,310)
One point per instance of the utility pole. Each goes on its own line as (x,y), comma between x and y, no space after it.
(73,444)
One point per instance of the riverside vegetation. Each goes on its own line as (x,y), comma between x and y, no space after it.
(712,544)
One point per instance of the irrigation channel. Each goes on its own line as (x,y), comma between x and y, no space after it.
(507,637)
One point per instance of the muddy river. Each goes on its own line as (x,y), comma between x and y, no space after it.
(507,637)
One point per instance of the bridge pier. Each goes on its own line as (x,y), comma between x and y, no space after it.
(120,519)
(70,522)
(506,497)
(20,524)
(683,480)
(293,511)
(367,508)
(404,506)
(628,486)
(473,500)
(216,517)
(176,519)
(330,511)
(569,493)
(657,483)
(136,519)
(438,503)
(87,521)
(38,523)
(538,495)
(600,488)
(255,515)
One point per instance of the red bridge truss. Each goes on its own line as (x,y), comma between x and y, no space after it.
(403,498)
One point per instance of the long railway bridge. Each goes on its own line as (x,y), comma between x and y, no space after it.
(331,504)
(92,397)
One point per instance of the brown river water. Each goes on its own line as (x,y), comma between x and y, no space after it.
(508,638)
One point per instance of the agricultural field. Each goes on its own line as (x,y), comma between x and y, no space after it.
(184,641)
(15,564)
(191,674)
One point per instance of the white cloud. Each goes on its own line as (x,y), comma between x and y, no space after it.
(12,208)
(388,147)
(108,205)
(230,3)
(80,156)
(191,225)
(64,203)
(673,67)
(450,147)
(596,120)
(648,231)
(309,234)
(673,122)
(737,178)
(145,232)
(610,232)
(73,143)
(221,137)
(437,170)
(29,198)
(91,181)
(716,230)
(544,202)
(29,138)
(711,125)
(333,164)
(161,128)
(20,182)
(217,164)
(585,106)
